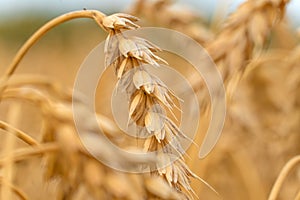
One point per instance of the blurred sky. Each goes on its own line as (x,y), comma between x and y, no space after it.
(10,9)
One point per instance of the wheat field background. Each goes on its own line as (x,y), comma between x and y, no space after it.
(261,133)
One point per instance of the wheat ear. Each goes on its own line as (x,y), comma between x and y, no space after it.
(245,30)
(148,96)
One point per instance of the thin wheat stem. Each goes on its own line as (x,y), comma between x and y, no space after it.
(283,174)
(93,14)
(10,143)
(40,81)
(15,189)
(18,133)
(25,153)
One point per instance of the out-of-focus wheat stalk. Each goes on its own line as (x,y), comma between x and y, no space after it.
(22,154)
(94,14)
(245,30)
(244,34)
(163,13)
(292,106)
(18,133)
(282,176)
(15,189)
(8,167)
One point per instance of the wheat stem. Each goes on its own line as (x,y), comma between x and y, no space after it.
(40,81)
(9,145)
(283,174)
(18,133)
(93,14)
(15,189)
(25,153)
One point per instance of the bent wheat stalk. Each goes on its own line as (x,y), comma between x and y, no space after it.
(25,153)
(283,174)
(14,188)
(18,133)
(93,14)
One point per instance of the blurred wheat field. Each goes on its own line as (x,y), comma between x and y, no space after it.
(261,134)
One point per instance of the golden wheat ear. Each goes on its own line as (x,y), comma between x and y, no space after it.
(148,96)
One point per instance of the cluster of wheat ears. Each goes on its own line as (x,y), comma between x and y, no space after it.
(253,68)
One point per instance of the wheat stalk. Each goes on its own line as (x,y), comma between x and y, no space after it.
(18,133)
(283,174)
(22,154)
(93,14)
(15,189)
(291,63)
(10,143)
